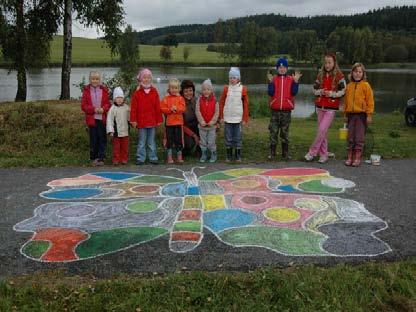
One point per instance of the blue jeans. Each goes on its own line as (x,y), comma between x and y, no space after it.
(98,140)
(232,135)
(147,143)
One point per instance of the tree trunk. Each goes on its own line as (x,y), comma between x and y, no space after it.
(67,57)
(20,52)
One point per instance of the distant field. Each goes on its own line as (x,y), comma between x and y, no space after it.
(95,51)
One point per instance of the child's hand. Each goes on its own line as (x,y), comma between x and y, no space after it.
(369,119)
(134,124)
(203,124)
(346,119)
(269,76)
(173,108)
(326,93)
(111,134)
(244,123)
(221,121)
(296,76)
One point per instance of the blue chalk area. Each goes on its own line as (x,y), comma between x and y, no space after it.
(175,190)
(287,188)
(79,193)
(220,220)
(117,176)
(193,190)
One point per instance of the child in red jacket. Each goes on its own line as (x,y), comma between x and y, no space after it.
(145,114)
(173,107)
(95,103)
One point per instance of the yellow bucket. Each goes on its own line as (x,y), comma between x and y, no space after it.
(343,133)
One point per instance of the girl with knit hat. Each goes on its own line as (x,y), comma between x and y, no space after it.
(329,88)
(207,111)
(118,127)
(173,107)
(145,115)
(234,112)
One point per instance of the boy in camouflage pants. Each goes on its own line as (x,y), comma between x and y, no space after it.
(282,90)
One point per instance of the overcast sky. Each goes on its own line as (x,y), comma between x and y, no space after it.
(150,14)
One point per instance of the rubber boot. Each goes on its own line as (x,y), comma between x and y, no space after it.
(272,154)
(229,156)
(285,151)
(203,155)
(213,158)
(169,158)
(349,160)
(179,156)
(357,158)
(238,154)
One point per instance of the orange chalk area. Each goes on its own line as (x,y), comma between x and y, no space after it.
(185,236)
(190,215)
(63,243)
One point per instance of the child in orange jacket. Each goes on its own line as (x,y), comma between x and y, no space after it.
(358,111)
(173,107)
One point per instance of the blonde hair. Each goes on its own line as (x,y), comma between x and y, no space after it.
(335,73)
(174,82)
(355,66)
(94,73)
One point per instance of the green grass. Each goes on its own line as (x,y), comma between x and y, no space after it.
(52,133)
(368,287)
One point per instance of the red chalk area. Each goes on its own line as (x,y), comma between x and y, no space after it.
(185,236)
(294,172)
(190,215)
(63,243)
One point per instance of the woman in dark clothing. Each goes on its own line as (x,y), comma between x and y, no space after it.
(190,127)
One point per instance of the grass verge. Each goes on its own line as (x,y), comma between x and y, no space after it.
(52,133)
(367,287)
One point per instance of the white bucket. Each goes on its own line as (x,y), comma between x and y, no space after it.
(375,159)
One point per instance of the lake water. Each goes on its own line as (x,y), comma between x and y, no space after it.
(392,88)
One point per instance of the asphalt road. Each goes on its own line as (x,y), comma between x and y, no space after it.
(387,191)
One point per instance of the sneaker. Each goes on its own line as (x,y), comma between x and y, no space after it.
(115,163)
(323,160)
(124,162)
(100,162)
(94,162)
(154,162)
(309,157)
(139,162)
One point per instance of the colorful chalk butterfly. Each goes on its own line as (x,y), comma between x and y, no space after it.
(279,209)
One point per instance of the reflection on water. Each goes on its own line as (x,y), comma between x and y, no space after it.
(392,87)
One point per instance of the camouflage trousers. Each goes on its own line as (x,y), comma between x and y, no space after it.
(279,122)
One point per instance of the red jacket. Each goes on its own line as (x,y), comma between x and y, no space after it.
(89,109)
(207,107)
(282,100)
(145,108)
(173,118)
(326,83)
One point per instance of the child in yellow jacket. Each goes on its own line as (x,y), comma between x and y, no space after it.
(358,112)
(173,107)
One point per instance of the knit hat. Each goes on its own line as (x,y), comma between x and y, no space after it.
(118,92)
(144,71)
(207,84)
(282,62)
(234,72)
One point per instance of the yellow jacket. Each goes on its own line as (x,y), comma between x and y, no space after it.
(359,98)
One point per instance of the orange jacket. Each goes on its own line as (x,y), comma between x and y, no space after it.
(359,98)
(245,103)
(173,118)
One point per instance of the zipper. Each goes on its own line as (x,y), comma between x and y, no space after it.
(353,99)
(281,95)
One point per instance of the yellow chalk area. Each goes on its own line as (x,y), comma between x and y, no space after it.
(311,204)
(246,184)
(213,202)
(295,180)
(243,172)
(281,214)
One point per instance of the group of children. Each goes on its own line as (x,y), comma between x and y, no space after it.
(147,112)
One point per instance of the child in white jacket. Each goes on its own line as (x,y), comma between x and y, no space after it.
(118,127)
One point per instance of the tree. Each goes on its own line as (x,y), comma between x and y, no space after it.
(128,49)
(218,35)
(170,40)
(186,53)
(248,42)
(396,53)
(27,28)
(165,53)
(230,47)
(106,15)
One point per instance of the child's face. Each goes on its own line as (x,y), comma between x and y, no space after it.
(234,80)
(282,70)
(119,100)
(206,92)
(146,80)
(358,74)
(174,89)
(329,63)
(95,80)
(188,93)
